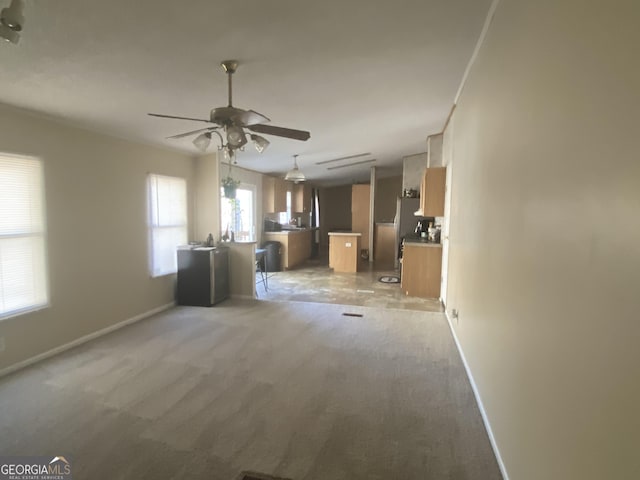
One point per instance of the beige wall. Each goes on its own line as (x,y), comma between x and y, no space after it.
(387,191)
(545,237)
(335,211)
(96,207)
(242,272)
(207,218)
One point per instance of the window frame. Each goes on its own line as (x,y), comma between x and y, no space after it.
(151,228)
(42,233)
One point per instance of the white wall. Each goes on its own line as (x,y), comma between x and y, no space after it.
(412,170)
(545,236)
(96,207)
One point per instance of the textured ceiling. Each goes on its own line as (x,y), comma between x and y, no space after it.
(361,76)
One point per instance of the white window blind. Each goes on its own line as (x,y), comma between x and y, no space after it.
(167,221)
(23,271)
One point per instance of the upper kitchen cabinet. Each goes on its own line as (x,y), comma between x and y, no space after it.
(301,198)
(432,192)
(274,195)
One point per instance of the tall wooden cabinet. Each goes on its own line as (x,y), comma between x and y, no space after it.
(274,195)
(360,201)
(432,191)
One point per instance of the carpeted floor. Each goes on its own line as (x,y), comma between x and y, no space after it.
(292,390)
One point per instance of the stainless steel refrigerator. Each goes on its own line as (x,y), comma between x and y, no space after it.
(405,220)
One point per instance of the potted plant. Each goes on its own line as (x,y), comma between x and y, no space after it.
(230,186)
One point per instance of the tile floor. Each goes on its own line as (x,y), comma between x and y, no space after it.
(316,282)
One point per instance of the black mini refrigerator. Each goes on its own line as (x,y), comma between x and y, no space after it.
(203,276)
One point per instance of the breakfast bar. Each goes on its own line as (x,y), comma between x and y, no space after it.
(344,251)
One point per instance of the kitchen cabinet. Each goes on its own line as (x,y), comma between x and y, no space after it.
(301,198)
(360,201)
(432,191)
(295,246)
(274,195)
(421,269)
(385,244)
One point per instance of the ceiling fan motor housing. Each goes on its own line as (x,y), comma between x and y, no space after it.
(224,116)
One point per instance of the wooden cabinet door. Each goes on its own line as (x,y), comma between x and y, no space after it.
(274,195)
(280,195)
(297,198)
(421,271)
(360,199)
(268,194)
(432,192)
(301,198)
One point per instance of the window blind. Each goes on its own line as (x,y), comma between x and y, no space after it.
(167,221)
(23,275)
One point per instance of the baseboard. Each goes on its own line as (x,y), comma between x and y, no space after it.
(485,419)
(81,340)
(242,297)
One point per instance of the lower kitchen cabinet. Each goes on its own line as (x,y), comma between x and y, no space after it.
(421,270)
(296,246)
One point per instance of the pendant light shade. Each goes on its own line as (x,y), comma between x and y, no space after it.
(202,141)
(295,175)
(260,143)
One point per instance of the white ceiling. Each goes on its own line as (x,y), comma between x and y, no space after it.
(360,75)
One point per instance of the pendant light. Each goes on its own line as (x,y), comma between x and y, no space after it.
(295,175)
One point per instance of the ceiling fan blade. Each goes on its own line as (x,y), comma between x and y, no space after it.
(193,132)
(249,117)
(280,132)
(179,118)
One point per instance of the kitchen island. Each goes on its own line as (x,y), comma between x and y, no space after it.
(344,251)
(295,245)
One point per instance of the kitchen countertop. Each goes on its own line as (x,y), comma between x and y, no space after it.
(291,232)
(418,242)
(346,234)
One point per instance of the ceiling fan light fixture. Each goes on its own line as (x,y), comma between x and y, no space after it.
(13,16)
(259,142)
(202,141)
(9,35)
(295,175)
(11,21)
(236,137)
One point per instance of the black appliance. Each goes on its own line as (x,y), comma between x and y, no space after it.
(421,227)
(272,225)
(203,276)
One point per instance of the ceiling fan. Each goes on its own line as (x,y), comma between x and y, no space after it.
(233,121)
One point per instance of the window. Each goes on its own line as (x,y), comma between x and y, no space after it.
(238,214)
(23,270)
(285,217)
(167,222)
